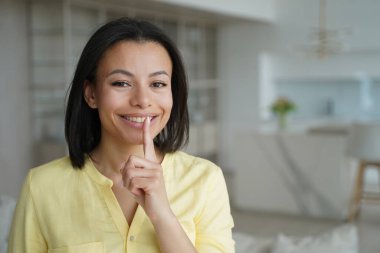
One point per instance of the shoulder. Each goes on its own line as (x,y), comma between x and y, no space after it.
(196,167)
(191,161)
(50,176)
(51,169)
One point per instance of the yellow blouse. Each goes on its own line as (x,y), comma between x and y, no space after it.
(62,210)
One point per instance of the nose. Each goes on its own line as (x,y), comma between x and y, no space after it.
(141,97)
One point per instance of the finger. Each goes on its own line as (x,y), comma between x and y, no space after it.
(128,166)
(139,172)
(136,190)
(140,162)
(149,152)
(135,167)
(128,174)
(145,185)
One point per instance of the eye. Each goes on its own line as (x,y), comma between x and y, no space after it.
(158,84)
(121,84)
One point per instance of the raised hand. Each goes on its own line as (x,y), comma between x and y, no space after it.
(143,177)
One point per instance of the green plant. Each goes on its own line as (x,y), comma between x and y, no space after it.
(281,107)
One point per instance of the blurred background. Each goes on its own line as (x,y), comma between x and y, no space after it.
(276,89)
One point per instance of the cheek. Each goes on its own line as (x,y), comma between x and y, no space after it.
(168,104)
(107,105)
(109,99)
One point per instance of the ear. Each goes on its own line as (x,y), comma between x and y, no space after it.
(89,94)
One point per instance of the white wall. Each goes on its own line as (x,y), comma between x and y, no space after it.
(250,9)
(239,50)
(15,122)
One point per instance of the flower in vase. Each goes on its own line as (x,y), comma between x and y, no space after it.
(281,107)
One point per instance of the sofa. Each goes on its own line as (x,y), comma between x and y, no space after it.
(342,239)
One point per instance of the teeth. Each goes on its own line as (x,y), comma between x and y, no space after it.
(136,119)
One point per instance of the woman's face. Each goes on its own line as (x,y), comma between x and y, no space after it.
(133,81)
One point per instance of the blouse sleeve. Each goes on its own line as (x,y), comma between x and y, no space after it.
(25,235)
(214,225)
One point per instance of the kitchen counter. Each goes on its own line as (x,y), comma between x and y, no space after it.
(301,173)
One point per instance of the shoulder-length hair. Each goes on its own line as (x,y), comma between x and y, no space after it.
(82,123)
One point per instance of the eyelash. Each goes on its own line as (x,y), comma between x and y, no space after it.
(158,84)
(121,84)
(126,84)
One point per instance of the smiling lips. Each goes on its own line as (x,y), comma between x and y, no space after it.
(137,120)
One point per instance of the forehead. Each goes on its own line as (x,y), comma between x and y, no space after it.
(136,55)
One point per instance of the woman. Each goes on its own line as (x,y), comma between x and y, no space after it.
(125,187)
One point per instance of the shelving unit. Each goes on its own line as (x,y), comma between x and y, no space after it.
(58,33)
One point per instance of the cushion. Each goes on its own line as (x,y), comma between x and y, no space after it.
(343,239)
(7,205)
(245,243)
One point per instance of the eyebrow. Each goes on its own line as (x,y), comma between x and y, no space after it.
(127,73)
(157,73)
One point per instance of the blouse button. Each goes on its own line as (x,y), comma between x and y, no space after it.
(132,238)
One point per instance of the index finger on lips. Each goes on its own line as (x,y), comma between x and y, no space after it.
(149,152)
